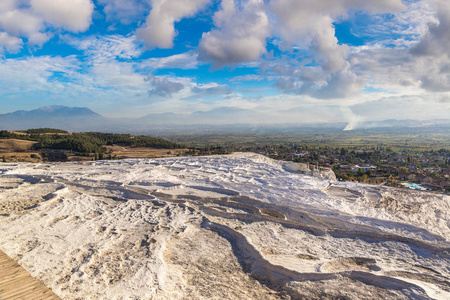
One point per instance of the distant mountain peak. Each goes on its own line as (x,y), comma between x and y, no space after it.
(64,111)
(51,108)
(53,116)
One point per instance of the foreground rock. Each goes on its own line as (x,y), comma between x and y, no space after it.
(223,227)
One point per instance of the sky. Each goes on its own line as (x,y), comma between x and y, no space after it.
(300,61)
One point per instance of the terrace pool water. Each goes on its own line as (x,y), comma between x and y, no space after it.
(415,186)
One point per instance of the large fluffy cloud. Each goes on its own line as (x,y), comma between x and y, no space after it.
(20,22)
(159,30)
(437,39)
(425,65)
(73,15)
(328,52)
(295,19)
(9,43)
(432,52)
(309,24)
(341,84)
(32,19)
(17,22)
(240,34)
(243,27)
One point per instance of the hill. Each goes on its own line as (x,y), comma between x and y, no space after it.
(58,145)
(16,145)
(68,118)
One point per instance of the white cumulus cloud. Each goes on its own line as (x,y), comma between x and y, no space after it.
(424,65)
(73,15)
(311,22)
(240,34)
(35,20)
(159,29)
(432,51)
(20,22)
(309,25)
(9,43)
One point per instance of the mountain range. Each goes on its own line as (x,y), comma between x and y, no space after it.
(219,119)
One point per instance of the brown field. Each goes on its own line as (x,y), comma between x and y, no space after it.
(129,152)
(13,150)
(34,157)
(18,151)
(16,145)
(19,132)
(49,133)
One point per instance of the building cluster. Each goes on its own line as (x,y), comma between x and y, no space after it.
(428,170)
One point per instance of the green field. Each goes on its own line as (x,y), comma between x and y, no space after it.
(396,140)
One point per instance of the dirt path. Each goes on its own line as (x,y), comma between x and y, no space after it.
(16,283)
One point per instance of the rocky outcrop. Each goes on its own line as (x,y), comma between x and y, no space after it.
(310,170)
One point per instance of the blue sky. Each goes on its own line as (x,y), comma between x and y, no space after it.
(290,60)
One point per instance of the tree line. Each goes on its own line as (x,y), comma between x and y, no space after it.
(86,142)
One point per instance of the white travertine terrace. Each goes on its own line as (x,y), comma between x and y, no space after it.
(239,226)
